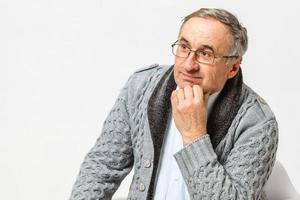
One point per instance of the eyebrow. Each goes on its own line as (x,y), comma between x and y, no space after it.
(184,40)
(202,47)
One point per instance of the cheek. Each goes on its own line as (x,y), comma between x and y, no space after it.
(214,80)
(177,63)
(176,73)
(177,66)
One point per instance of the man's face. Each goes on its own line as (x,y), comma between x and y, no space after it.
(211,35)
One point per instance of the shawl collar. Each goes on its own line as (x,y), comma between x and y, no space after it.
(159,107)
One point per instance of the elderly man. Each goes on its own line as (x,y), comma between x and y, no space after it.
(192,130)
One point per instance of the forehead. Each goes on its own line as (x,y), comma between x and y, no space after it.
(205,31)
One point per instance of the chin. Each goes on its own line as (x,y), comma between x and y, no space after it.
(182,85)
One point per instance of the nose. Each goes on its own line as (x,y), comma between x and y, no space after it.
(190,64)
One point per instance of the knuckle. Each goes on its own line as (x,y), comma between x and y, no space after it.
(196,102)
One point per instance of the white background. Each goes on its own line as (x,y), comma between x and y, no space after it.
(63,62)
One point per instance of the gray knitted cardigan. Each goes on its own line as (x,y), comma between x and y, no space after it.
(233,162)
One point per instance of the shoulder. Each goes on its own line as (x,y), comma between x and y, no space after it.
(255,119)
(152,69)
(144,79)
(147,68)
(149,73)
(254,109)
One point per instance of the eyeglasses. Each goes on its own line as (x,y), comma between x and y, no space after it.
(202,56)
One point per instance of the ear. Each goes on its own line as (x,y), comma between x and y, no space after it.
(234,67)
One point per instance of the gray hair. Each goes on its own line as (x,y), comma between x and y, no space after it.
(238,32)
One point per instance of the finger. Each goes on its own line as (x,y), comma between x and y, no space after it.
(174,102)
(180,95)
(188,93)
(198,92)
(174,99)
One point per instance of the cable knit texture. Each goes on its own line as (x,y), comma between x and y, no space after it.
(233,162)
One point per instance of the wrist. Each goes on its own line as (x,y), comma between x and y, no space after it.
(189,140)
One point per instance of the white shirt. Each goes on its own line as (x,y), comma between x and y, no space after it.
(169,183)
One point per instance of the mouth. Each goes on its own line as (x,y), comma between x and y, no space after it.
(190,78)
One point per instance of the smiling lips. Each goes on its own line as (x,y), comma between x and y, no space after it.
(189,78)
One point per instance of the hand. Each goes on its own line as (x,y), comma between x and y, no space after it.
(189,110)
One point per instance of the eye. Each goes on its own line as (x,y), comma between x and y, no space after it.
(205,54)
(184,47)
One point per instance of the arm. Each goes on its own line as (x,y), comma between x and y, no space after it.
(250,150)
(111,158)
(242,175)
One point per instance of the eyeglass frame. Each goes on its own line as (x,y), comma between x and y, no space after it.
(195,52)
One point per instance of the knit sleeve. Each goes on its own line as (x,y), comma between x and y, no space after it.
(241,176)
(111,158)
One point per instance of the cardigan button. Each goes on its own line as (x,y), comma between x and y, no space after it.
(147,163)
(142,187)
